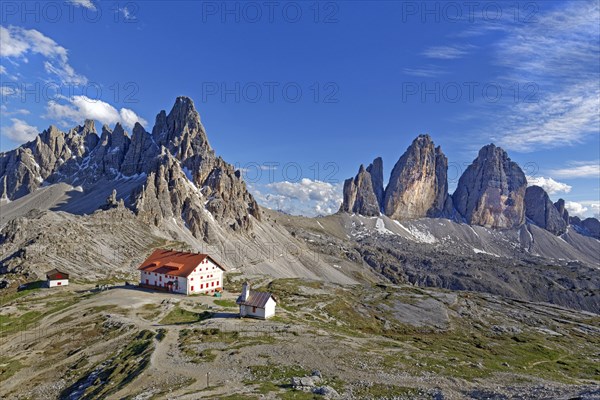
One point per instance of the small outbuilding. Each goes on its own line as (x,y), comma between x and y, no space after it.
(56,278)
(256,304)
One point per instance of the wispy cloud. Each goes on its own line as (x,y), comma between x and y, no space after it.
(579,169)
(20,131)
(78,108)
(548,184)
(18,42)
(560,54)
(445,52)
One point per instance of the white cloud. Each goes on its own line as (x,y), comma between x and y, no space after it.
(445,52)
(557,55)
(129,118)
(17,42)
(20,131)
(12,45)
(2,70)
(548,184)
(306,197)
(79,108)
(579,169)
(83,3)
(583,209)
(6,112)
(575,208)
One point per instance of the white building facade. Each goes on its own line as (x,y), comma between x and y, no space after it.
(181,272)
(56,278)
(256,304)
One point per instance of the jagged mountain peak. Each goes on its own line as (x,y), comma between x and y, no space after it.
(183,117)
(491,191)
(89,125)
(491,150)
(88,128)
(423,138)
(137,127)
(50,134)
(176,156)
(418,184)
(181,130)
(119,130)
(361,192)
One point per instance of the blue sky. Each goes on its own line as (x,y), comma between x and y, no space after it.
(299,94)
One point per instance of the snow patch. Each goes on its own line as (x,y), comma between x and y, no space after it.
(381,229)
(402,226)
(474,231)
(479,251)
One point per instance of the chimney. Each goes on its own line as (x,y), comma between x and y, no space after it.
(245,291)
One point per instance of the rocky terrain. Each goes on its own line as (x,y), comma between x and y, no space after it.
(327,341)
(482,293)
(442,253)
(105,201)
(171,171)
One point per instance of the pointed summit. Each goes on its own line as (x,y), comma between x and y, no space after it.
(491,191)
(359,193)
(184,114)
(418,185)
(181,128)
(376,171)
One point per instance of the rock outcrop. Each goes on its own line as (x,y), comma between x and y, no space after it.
(376,171)
(361,192)
(418,185)
(25,169)
(562,211)
(140,156)
(178,172)
(491,191)
(540,210)
(588,227)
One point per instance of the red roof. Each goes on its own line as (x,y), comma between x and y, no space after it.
(176,263)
